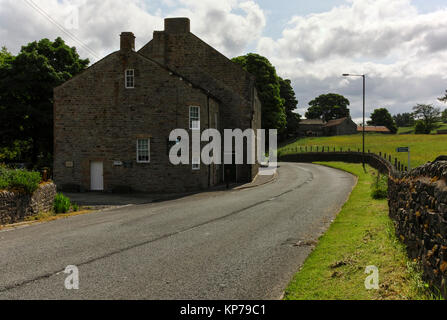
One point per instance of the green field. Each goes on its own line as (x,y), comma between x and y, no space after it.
(361,235)
(423,147)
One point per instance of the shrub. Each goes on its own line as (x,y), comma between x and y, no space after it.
(28,181)
(380,187)
(75,207)
(421,128)
(61,203)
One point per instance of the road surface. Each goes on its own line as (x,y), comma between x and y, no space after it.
(216,245)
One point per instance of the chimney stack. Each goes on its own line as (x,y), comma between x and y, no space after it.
(127,42)
(177,25)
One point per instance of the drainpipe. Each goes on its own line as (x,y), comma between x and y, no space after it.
(208,108)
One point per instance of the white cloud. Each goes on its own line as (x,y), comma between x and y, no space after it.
(229,25)
(403,53)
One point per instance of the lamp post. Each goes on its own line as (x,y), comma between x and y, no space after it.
(363,131)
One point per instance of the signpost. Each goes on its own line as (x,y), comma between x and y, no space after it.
(405,149)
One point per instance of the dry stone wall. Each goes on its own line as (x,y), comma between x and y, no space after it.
(418,207)
(16,206)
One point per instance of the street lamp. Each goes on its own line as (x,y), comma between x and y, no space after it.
(363,131)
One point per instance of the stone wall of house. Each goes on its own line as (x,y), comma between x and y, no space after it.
(15,206)
(182,51)
(98,119)
(418,206)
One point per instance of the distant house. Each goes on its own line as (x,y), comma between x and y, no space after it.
(311,127)
(378,129)
(340,127)
(318,127)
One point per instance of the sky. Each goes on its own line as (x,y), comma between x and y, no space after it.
(401,45)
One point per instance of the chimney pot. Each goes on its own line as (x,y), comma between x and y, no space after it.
(127,41)
(177,25)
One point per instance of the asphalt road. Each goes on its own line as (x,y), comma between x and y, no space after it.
(216,245)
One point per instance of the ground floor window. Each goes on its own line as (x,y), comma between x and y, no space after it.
(143,150)
(195,163)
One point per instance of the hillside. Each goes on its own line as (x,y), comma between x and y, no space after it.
(423,147)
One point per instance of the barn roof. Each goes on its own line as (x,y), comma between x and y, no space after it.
(335,122)
(382,129)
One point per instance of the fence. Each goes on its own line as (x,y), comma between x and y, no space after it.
(343,154)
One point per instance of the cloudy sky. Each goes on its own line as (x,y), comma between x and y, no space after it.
(401,45)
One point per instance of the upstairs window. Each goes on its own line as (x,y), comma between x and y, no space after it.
(143,150)
(194,117)
(130,78)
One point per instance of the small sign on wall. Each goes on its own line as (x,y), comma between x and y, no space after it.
(117,163)
(69,164)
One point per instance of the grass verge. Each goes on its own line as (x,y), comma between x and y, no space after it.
(361,235)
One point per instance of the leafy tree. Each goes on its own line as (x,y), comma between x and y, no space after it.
(381,117)
(26,92)
(427,115)
(444,98)
(405,119)
(268,87)
(444,116)
(5,57)
(328,107)
(420,128)
(290,103)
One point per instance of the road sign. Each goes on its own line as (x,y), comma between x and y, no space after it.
(405,149)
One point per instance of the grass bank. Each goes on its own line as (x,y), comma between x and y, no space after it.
(423,147)
(361,235)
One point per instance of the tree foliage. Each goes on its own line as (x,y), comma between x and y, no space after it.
(26,92)
(381,117)
(268,87)
(290,103)
(328,107)
(405,119)
(444,98)
(444,116)
(427,116)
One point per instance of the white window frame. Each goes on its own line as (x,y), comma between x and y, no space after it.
(141,150)
(196,118)
(195,163)
(129,77)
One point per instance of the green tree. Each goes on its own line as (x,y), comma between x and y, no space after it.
(5,57)
(268,87)
(290,102)
(381,117)
(405,119)
(427,115)
(444,116)
(420,128)
(328,107)
(26,85)
(444,98)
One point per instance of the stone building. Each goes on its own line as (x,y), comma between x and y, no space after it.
(318,127)
(338,127)
(112,122)
(311,127)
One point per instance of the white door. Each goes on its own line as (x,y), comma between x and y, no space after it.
(96,176)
